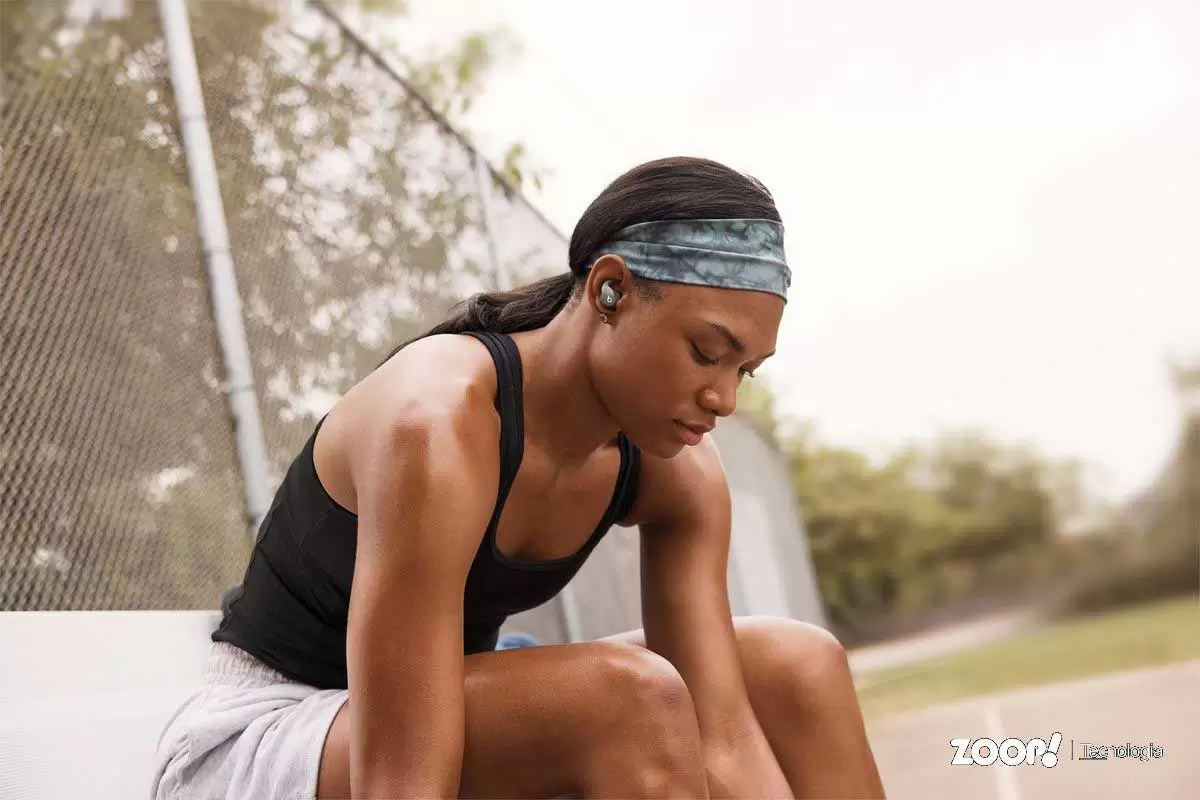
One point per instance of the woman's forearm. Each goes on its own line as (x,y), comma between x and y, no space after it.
(744,766)
(409,750)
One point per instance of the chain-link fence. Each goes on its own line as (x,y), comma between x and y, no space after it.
(355,219)
(119,486)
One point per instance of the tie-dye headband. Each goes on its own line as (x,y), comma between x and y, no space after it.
(725,253)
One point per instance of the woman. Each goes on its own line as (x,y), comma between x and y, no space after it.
(467,479)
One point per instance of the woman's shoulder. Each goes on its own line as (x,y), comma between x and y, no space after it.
(443,374)
(442,385)
(688,481)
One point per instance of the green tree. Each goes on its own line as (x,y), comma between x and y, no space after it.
(875,535)
(927,526)
(1003,490)
(1184,524)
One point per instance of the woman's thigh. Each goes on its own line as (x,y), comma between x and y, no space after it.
(539,720)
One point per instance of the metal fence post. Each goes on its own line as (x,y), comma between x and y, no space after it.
(214,241)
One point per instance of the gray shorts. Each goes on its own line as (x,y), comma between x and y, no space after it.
(248,732)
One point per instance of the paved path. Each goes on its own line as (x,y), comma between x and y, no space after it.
(913,649)
(1159,706)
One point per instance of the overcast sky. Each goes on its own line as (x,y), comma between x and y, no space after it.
(992,208)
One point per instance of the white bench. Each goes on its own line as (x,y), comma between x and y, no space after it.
(85,694)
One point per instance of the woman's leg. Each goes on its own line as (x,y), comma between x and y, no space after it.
(803,695)
(598,719)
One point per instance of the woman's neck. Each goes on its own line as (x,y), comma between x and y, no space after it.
(563,415)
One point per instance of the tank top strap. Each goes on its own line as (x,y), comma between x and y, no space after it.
(510,406)
(627,483)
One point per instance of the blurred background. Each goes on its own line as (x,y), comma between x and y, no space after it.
(976,458)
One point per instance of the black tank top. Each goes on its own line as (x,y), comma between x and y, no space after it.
(290,610)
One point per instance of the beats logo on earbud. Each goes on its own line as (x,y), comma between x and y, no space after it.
(609,296)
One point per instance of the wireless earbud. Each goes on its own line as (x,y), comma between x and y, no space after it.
(609,296)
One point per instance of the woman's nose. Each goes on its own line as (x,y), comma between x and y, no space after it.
(721,401)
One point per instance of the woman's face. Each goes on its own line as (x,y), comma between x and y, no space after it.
(666,369)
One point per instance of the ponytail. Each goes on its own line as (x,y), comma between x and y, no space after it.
(525,308)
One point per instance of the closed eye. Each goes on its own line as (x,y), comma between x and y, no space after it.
(707,361)
(701,358)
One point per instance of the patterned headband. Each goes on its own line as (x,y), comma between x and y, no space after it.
(725,253)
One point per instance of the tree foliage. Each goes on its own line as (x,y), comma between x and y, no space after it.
(928,526)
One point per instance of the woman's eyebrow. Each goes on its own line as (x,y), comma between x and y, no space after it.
(734,341)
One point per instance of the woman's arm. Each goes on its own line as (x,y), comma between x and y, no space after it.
(685,518)
(426,483)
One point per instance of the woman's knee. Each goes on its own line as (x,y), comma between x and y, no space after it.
(794,659)
(638,682)
(649,737)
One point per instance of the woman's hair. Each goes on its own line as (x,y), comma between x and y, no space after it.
(669,188)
